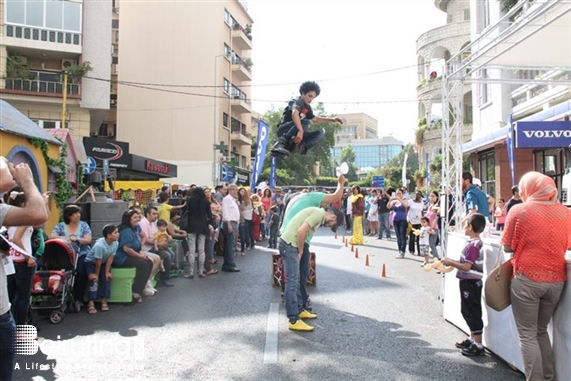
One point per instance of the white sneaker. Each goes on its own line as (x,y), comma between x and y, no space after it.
(150,288)
(147,292)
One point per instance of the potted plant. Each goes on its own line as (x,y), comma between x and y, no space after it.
(76,72)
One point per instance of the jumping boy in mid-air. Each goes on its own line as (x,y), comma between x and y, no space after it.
(293,129)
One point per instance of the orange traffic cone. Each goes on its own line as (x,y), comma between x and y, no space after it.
(356,252)
(352,248)
(384,272)
(367,260)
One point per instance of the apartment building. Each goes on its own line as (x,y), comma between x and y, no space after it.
(433,49)
(518,64)
(39,39)
(357,126)
(183,90)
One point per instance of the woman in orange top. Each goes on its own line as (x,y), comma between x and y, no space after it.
(538,232)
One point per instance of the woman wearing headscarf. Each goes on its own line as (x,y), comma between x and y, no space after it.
(358,212)
(538,232)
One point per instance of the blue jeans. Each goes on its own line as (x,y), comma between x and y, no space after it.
(303,277)
(293,297)
(432,241)
(384,225)
(229,244)
(7,348)
(100,288)
(19,291)
(310,138)
(400,231)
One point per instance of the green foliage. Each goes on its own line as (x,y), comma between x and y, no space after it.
(507,4)
(76,72)
(422,122)
(299,169)
(348,156)
(393,169)
(16,68)
(64,190)
(326,181)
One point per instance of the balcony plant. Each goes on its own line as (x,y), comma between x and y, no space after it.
(76,72)
(17,68)
(248,64)
(507,4)
(248,30)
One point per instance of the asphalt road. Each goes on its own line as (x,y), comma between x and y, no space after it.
(225,327)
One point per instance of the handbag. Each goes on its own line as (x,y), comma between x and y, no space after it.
(498,282)
(183,222)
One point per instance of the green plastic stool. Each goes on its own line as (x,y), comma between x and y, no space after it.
(122,284)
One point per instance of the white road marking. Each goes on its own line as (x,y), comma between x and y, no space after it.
(271,351)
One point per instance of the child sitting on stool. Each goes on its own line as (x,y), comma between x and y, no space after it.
(98,268)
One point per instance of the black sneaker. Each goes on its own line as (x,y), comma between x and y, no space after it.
(473,350)
(463,344)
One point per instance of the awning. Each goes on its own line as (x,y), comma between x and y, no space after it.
(54,170)
(134,185)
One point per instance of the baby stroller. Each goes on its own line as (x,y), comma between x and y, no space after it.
(52,288)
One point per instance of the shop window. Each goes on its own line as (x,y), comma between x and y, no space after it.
(488,172)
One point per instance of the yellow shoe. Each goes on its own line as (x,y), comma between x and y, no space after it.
(305,314)
(299,325)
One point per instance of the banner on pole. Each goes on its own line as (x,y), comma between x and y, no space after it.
(510,145)
(273,178)
(262,142)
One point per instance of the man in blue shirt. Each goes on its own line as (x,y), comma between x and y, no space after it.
(475,199)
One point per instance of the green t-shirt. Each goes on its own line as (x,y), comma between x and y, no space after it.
(299,203)
(314,218)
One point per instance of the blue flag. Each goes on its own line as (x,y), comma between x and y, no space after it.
(273,178)
(262,142)
(510,146)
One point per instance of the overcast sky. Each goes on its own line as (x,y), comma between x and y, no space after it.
(356,50)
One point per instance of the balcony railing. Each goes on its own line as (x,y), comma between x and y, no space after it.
(240,130)
(40,34)
(41,85)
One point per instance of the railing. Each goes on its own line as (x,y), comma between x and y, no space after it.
(240,130)
(40,34)
(37,86)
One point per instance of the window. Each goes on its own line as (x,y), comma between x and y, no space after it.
(483,16)
(225,119)
(115,24)
(115,60)
(226,86)
(467,14)
(488,172)
(48,14)
(484,89)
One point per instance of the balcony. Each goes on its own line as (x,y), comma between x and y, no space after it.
(241,69)
(240,136)
(532,97)
(241,104)
(240,38)
(43,84)
(40,38)
(437,36)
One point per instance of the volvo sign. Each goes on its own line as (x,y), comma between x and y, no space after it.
(543,134)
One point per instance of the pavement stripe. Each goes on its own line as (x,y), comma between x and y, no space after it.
(271,351)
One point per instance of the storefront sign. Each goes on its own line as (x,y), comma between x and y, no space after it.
(226,173)
(156,167)
(116,152)
(543,134)
(242,177)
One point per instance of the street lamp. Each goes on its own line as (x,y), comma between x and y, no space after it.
(215,133)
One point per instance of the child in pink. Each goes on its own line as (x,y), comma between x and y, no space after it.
(500,214)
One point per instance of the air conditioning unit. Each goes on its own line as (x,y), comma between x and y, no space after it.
(66,62)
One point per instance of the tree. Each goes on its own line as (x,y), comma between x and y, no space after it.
(393,169)
(348,156)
